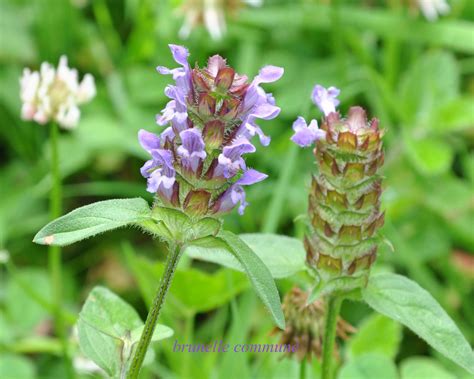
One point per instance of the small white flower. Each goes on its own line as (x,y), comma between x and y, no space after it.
(54,94)
(211,13)
(431,9)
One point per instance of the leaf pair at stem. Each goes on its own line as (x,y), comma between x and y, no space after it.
(179,231)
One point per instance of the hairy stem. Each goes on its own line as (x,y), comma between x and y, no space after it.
(152,318)
(54,252)
(334,306)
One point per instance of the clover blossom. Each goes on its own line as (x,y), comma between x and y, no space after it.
(197,163)
(344,200)
(432,9)
(211,13)
(54,94)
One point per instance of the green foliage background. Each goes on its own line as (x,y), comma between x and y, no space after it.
(415,76)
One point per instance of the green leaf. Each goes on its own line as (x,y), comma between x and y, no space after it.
(194,290)
(283,256)
(252,265)
(371,366)
(108,329)
(161,332)
(377,334)
(16,366)
(432,81)
(456,115)
(405,301)
(423,367)
(20,307)
(93,219)
(431,156)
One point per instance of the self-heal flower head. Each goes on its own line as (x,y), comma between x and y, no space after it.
(344,200)
(54,94)
(325,99)
(198,163)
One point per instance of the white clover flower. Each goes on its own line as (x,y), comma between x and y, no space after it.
(431,9)
(211,13)
(55,94)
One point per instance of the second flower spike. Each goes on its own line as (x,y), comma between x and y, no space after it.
(344,200)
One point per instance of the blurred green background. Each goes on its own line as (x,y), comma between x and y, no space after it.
(416,76)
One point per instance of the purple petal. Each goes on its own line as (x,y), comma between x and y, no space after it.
(325,99)
(180,54)
(268,74)
(167,134)
(192,148)
(266,111)
(305,135)
(251,176)
(239,146)
(146,168)
(148,141)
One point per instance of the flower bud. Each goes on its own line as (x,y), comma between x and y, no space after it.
(305,325)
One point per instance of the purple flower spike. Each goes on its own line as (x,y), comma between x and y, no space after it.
(197,163)
(325,99)
(230,160)
(305,134)
(192,149)
(148,141)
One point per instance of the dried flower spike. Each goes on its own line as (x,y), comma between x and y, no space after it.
(344,201)
(305,325)
(197,162)
(55,94)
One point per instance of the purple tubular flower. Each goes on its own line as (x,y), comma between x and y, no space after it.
(305,134)
(325,99)
(176,109)
(159,170)
(149,141)
(192,149)
(236,194)
(230,160)
(260,105)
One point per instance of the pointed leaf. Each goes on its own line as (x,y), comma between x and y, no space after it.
(283,256)
(405,301)
(108,328)
(252,265)
(93,219)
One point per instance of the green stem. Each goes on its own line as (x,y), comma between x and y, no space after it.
(303,369)
(152,318)
(334,306)
(54,252)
